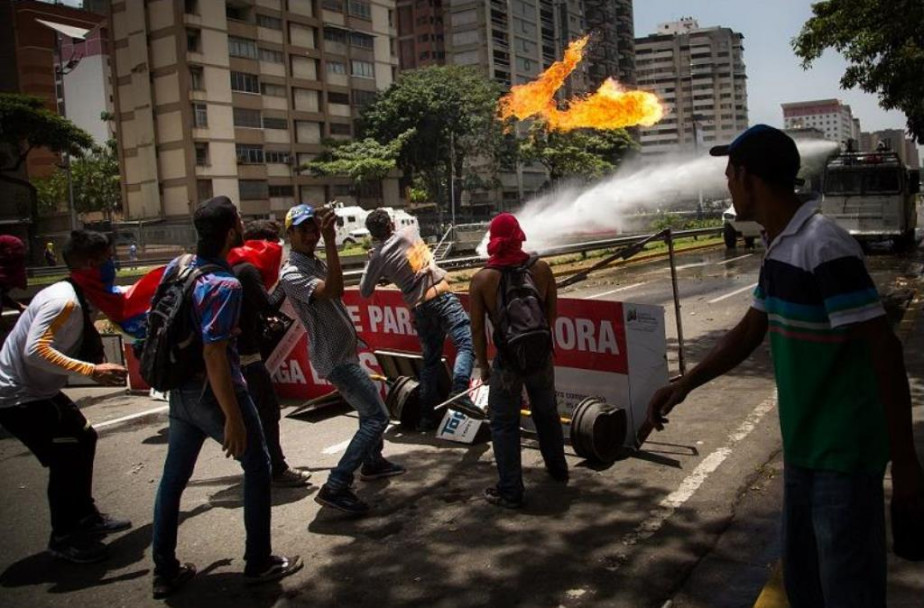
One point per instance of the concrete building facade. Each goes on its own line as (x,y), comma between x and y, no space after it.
(894,140)
(831,116)
(421,33)
(699,74)
(232,96)
(612,54)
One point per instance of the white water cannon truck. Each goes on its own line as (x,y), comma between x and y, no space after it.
(872,195)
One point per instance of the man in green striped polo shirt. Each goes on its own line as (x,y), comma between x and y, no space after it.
(844,401)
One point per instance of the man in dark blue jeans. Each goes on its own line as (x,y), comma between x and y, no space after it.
(506,380)
(401,257)
(215,404)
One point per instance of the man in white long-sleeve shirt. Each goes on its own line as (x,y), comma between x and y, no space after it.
(52,339)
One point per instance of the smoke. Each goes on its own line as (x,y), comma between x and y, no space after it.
(645,186)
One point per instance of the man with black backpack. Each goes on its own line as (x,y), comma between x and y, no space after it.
(52,339)
(192,324)
(517,293)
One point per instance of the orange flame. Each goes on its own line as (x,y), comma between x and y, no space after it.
(610,107)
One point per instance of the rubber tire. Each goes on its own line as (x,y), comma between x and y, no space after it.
(729,236)
(749,242)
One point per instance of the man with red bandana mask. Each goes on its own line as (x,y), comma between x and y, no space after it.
(506,381)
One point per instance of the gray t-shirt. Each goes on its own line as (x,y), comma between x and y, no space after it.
(332,338)
(405,260)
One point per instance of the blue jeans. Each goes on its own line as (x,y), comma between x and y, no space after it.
(434,320)
(504,401)
(360,392)
(834,544)
(195,415)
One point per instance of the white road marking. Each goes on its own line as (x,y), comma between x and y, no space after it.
(696,265)
(623,288)
(732,294)
(740,257)
(339,447)
(692,483)
(156,410)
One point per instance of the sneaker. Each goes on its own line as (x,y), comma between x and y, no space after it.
(100,524)
(292,478)
(493,496)
(167,585)
(278,566)
(559,475)
(381,470)
(344,499)
(78,548)
(468,407)
(425,425)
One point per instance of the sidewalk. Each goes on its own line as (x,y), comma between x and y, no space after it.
(743,569)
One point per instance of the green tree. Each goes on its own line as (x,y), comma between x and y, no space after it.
(51,192)
(883,43)
(583,153)
(97,181)
(452,111)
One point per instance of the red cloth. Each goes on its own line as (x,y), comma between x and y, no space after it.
(12,262)
(127,307)
(265,255)
(505,247)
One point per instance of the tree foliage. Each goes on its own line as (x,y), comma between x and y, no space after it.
(26,124)
(883,43)
(583,153)
(95,178)
(452,112)
(362,160)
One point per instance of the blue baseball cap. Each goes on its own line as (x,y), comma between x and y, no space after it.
(767,153)
(299,214)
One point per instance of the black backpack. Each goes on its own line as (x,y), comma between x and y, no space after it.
(521,330)
(172,350)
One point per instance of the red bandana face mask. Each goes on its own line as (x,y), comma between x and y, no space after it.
(505,247)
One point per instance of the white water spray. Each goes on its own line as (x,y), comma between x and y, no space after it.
(568,211)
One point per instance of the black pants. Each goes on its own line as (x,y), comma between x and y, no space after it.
(260,387)
(64,442)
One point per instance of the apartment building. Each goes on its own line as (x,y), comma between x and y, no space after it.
(894,140)
(699,74)
(232,96)
(612,54)
(421,33)
(827,115)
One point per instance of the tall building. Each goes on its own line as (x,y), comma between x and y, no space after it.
(699,74)
(828,115)
(420,34)
(894,140)
(232,96)
(612,54)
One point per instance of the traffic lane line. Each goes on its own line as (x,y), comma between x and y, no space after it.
(618,289)
(733,294)
(740,257)
(151,412)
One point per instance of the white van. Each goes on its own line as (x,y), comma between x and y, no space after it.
(351,223)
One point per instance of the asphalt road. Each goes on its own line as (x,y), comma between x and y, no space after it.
(626,535)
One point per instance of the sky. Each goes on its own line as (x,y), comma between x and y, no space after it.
(774,73)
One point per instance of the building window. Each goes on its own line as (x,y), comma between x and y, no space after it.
(191,7)
(272,56)
(204,189)
(340,128)
(247,118)
(334,35)
(277,156)
(200,116)
(361,41)
(202,154)
(252,189)
(196,80)
(268,22)
(237,13)
(193,41)
(363,98)
(275,123)
(343,98)
(336,67)
(333,5)
(272,90)
(281,191)
(363,69)
(242,47)
(360,9)
(341,189)
(249,155)
(247,83)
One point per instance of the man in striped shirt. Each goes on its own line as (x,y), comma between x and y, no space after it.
(844,400)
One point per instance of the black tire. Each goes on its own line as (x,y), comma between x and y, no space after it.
(348,242)
(903,243)
(729,236)
(749,242)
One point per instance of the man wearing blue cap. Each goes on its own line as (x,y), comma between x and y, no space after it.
(844,400)
(315,289)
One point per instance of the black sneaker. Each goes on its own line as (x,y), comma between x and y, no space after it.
(493,496)
(559,475)
(278,566)
(468,407)
(381,470)
(344,499)
(425,425)
(292,478)
(167,585)
(78,548)
(100,524)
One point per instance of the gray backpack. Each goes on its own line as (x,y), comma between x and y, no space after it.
(521,330)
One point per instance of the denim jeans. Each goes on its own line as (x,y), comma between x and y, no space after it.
(360,392)
(504,401)
(195,415)
(434,320)
(834,545)
(263,395)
